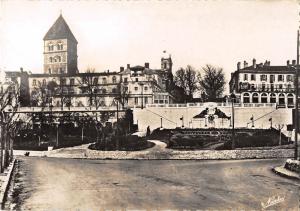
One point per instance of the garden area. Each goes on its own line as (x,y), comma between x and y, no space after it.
(220,139)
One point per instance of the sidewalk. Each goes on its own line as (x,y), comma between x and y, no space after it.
(285,172)
(159,151)
(5,179)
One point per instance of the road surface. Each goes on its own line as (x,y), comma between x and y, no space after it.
(72,184)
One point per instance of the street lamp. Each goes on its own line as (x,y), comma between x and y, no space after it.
(296,114)
(232,97)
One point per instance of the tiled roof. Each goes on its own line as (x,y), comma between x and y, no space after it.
(267,69)
(60,30)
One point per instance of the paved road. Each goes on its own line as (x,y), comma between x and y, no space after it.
(68,184)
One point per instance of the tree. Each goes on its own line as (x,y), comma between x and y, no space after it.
(212,82)
(9,103)
(188,80)
(89,84)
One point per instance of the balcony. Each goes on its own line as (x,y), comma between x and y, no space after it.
(260,88)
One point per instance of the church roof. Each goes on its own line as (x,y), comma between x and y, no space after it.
(60,30)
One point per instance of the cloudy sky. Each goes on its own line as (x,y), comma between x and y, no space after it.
(113,33)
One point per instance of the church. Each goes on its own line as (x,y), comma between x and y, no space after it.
(62,85)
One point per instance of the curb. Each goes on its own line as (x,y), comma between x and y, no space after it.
(284,173)
(4,187)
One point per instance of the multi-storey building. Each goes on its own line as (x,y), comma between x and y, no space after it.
(62,85)
(263,83)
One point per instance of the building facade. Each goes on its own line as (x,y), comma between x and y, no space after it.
(263,83)
(62,85)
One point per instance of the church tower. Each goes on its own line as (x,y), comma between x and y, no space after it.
(166,62)
(60,49)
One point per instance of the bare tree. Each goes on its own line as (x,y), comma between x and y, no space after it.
(9,103)
(89,84)
(212,82)
(187,79)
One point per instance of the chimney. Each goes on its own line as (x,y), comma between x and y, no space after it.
(245,64)
(238,65)
(288,63)
(294,62)
(147,65)
(128,66)
(254,63)
(121,69)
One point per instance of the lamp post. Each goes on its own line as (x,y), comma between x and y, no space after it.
(232,97)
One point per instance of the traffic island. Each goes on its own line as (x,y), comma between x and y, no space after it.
(291,169)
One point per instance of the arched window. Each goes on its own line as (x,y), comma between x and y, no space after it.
(255,98)
(273,98)
(104,80)
(264,98)
(50,47)
(281,99)
(290,99)
(246,98)
(114,79)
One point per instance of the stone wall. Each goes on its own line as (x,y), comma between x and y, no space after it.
(151,116)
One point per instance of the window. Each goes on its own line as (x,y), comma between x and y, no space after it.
(255,98)
(146,88)
(136,101)
(63,81)
(125,80)
(95,82)
(290,99)
(289,78)
(253,77)
(58,58)
(49,70)
(263,77)
(281,99)
(61,70)
(136,88)
(114,90)
(136,80)
(246,98)
(103,91)
(245,77)
(33,82)
(280,78)
(264,98)
(59,46)
(146,100)
(263,87)
(280,86)
(273,98)
(44,82)
(114,79)
(125,88)
(72,81)
(50,47)
(104,80)
(272,78)
(50,59)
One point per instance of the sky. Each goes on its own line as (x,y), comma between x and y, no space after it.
(113,33)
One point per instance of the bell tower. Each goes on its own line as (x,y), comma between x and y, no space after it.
(60,49)
(166,62)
